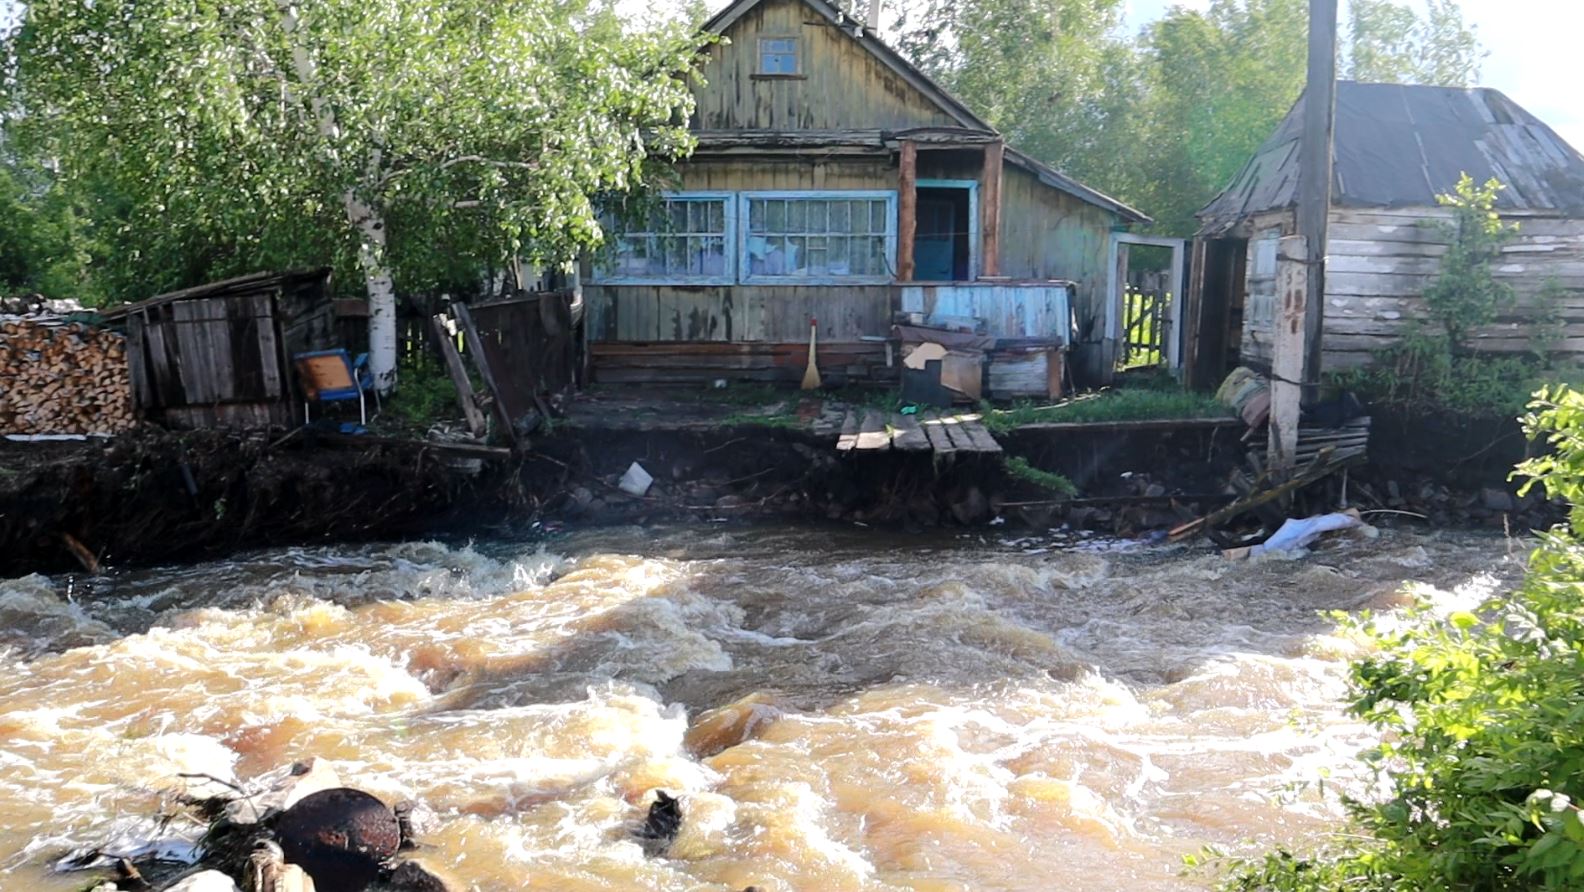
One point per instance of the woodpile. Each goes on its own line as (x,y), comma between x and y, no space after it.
(59,377)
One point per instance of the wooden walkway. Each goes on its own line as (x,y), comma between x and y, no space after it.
(874,430)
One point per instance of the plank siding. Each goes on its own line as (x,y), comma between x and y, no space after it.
(1048,234)
(1381,260)
(840,85)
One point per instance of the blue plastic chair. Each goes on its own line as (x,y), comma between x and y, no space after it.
(325,381)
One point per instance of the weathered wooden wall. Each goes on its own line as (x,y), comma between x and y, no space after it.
(1380,262)
(1258,330)
(1018,310)
(841,84)
(1049,234)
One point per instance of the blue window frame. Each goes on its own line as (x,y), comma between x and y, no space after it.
(691,239)
(817,238)
(778,55)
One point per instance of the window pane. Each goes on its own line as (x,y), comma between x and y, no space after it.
(840,217)
(683,237)
(877,216)
(797,216)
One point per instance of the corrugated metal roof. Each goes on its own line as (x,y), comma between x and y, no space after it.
(1401,146)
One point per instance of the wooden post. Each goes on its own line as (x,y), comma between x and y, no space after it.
(907,209)
(1289,346)
(459,377)
(1314,181)
(991,227)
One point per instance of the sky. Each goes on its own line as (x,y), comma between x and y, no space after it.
(1535,55)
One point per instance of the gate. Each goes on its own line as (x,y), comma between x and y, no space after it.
(1146,319)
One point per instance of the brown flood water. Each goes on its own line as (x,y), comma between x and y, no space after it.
(866,713)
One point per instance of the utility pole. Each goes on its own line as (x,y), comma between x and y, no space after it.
(1314,180)
(1298,338)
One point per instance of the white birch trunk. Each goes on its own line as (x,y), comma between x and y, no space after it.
(363,217)
(381,291)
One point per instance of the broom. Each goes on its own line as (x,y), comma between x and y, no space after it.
(811,375)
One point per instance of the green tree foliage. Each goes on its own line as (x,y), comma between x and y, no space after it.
(1482,722)
(1390,43)
(46,244)
(404,139)
(1045,73)
(1466,294)
(1164,118)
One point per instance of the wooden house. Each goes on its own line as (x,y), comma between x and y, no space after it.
(219,355)
(1396,148)
(833,181)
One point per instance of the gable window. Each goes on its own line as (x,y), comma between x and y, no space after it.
(778,55)
(690,238)
(819,237)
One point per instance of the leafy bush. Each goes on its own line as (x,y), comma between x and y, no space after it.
(1482,718)
(1421,370)
(1467,295)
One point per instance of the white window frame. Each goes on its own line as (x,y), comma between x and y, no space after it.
(797,56)
(744,231)
(729,247)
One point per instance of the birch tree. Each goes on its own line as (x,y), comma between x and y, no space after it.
(398,138)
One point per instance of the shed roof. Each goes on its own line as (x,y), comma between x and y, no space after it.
(854,28)
(250,283)
(1402,145)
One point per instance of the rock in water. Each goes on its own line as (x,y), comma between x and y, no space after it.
(341,837)
(411,876)
(662,824)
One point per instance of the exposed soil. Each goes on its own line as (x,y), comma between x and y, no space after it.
(156,496)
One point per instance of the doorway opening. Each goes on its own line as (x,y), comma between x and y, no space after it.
(944,247)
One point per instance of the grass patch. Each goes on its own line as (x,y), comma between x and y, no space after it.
(1017,466)
(424,395)
(1112,404)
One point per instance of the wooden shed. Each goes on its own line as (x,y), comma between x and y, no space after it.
(218,355)
(834,181)
(1396,148)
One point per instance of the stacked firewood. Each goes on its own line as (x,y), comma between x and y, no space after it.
(59,377)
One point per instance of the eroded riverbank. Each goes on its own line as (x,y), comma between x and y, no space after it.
(926,713)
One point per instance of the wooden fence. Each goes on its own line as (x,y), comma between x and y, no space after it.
(1146,315)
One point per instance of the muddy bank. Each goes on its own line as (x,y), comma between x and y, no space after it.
(1452,469)
(157,496)
(160,496)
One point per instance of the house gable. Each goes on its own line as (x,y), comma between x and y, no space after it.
(846,79)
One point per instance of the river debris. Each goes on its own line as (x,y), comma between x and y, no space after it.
(662,824)
(300,831)
(1298,533)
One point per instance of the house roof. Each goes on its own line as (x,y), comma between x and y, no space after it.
(720,21)
(1402,145)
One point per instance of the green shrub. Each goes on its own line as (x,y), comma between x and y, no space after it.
(1421,371)
(1482,722)
(1466,295)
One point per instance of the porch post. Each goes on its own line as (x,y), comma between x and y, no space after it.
(907,209)
(1288,348)
(990,179)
